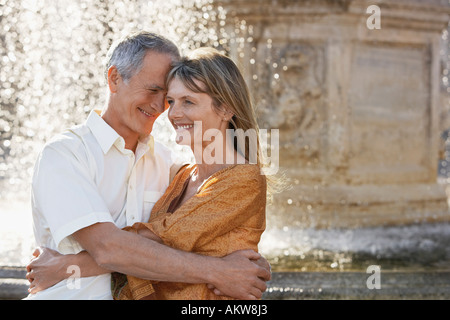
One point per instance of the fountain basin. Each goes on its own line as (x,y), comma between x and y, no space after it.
(394,285)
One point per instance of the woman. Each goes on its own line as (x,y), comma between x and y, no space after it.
(217,205)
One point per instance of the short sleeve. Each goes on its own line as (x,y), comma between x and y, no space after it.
(64,193)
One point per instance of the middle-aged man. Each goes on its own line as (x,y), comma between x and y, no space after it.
(99,177)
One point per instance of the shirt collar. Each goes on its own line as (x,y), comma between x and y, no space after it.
(145,147)
(107,137)
(149,141)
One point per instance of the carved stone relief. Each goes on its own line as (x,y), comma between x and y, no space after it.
(294,98)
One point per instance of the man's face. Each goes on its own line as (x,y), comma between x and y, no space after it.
(139,101)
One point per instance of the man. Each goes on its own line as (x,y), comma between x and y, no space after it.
(99,177)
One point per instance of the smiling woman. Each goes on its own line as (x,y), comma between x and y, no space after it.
(208,87)
(189,108)
(212,208)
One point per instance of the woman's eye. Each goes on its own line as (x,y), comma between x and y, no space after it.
(170,102)
(188,102)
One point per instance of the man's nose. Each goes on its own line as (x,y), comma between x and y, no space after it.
(159,104)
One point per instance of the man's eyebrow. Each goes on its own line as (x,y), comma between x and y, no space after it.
(155,86)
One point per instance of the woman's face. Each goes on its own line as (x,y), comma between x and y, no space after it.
(188,107)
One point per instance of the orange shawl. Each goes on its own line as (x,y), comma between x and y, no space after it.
(226,214)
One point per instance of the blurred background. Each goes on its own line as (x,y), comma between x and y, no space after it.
(363,115)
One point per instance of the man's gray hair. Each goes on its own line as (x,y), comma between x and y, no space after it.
(128,53)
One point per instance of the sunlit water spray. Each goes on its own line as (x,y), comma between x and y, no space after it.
(51,76)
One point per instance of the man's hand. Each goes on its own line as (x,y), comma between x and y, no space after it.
(243,276)
(45,269)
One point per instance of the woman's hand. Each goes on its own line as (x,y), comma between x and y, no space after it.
(45,269)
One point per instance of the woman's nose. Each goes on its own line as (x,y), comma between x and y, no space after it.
(174,112)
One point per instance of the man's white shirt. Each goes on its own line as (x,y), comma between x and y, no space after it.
(86,176)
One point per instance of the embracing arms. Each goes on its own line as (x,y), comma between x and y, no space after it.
(63,183)
(109,248)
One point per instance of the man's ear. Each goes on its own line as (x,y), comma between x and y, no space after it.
(114,79)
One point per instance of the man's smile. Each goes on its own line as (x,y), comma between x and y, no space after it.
(146,113)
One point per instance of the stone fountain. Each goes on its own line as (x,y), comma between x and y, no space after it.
(355,89)
(357,107)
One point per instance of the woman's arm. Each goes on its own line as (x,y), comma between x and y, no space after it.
(50,267)
(144,232)
(231,204)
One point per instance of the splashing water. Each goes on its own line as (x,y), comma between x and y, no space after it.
(51,76)
(52,57)
(406,248)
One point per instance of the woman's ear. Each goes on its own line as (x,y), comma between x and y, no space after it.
(226,113)
(113,79)
(229,115)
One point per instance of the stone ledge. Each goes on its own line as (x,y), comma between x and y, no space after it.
(431,15)
(13,289)
(308,285)
(13,284)
(12,272)
(352,286)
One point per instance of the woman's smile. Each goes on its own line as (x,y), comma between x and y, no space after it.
(192,113)
(184,126)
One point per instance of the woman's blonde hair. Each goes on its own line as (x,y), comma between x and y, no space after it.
(224,83)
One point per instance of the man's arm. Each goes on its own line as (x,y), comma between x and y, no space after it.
(65,193)
(114,249)
(50,267)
